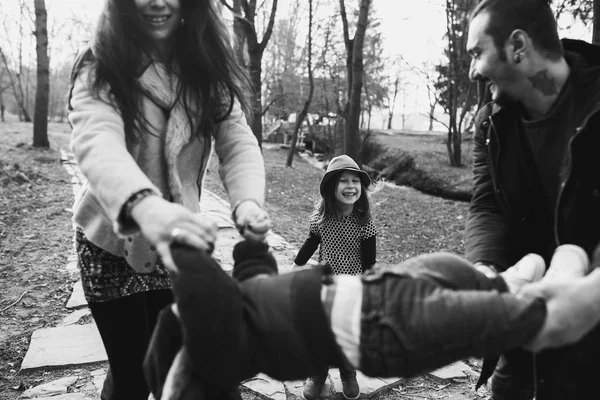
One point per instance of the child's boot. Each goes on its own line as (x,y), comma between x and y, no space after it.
(350,388)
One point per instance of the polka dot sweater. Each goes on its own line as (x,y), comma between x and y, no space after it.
(348,246)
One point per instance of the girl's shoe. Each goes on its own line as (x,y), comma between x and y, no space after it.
(313,387)
(350,388)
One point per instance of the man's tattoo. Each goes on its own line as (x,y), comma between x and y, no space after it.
(542,82)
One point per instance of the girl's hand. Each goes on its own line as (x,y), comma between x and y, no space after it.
(163,223)
(252,221)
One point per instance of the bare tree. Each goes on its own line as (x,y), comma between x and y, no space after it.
(425,72)
(59,90)
(282,81)
(17,88)
(11,54)
(354,70)
(3,87)
(586,11)
(239,44)
(458,95)
(255,48)
(311,90)
(375,80)
(391,101)
(40,122)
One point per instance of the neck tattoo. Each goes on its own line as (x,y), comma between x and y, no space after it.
(545,84)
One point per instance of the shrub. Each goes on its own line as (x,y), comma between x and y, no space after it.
(392,163)
(401,168)
(371,148)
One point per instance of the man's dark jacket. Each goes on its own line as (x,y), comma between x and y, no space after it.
(508,216)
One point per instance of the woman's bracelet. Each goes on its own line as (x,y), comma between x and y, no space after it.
(125,216)
(237,204)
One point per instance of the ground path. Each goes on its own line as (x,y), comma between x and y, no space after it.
(71,343)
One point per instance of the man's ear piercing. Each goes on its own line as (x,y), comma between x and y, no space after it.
(517,58)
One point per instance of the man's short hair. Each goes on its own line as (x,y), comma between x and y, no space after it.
(532,16)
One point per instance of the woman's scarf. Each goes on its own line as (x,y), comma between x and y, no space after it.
(162,87)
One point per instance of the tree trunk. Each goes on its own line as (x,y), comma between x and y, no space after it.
(393,103)
(311,90)
(431,116)
(352,142)
(40,123)
(457,142)
(596,24)
(239,44)
(245,31)
(2,107)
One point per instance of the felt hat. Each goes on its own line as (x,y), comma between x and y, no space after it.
(343,163)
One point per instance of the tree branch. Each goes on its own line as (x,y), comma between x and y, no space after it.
(272,102)
(230,8)
(435,119)
(345,24)
(263,44)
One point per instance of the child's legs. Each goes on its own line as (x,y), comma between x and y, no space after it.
(449,271)
(411,324)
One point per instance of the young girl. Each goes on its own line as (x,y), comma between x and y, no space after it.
(341,224)
(158,84)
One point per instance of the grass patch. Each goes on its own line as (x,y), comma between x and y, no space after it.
(419,161)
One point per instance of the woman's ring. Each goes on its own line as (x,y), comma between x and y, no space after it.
(175,233)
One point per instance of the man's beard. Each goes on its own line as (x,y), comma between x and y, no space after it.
(501,98)
(504,100)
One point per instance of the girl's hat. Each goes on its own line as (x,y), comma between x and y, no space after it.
(343,163)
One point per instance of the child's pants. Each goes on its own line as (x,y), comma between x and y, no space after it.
(436,309)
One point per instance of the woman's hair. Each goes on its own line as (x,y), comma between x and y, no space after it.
(209,75)
(326,206)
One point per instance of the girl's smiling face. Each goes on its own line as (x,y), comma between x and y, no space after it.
(348,189)
(159,19)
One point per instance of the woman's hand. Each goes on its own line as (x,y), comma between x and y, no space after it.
(252,221)
(163,223)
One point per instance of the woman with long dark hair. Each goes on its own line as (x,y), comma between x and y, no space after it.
(157,86)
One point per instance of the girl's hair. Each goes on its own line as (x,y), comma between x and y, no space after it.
(209,75)
(326,206)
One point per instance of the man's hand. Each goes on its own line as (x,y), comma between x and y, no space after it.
(573,310)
